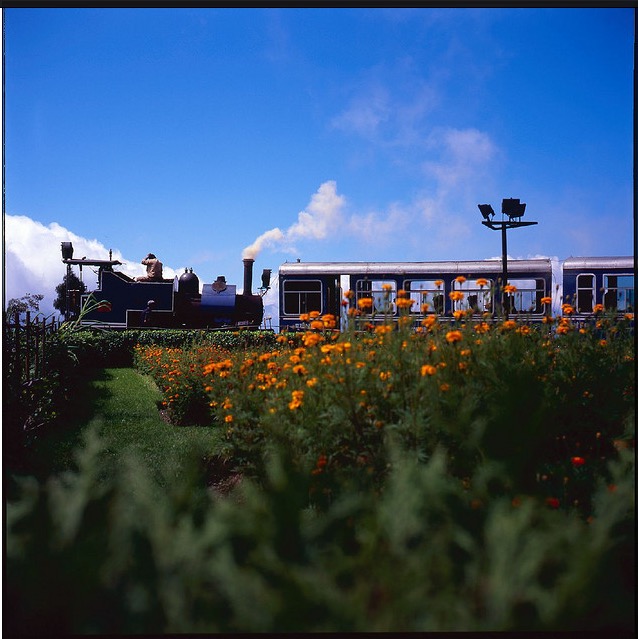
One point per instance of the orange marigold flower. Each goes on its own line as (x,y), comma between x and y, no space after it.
(304,317)
(429,321)
(567,309)
(427,369)
(402,302)
(228,419)
(349,294)
(314,314)
(453,336)
(482,282)
(460,279)
(546,300)
(483,327)
(444,387)
(603,342)
(438,283)
(510,288)
(456,296)
(508,325)
(311,339)
(316,325)
(386,287)
(599,308)
(364,303)
(297,399)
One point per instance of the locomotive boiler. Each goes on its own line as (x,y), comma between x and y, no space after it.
(176,303)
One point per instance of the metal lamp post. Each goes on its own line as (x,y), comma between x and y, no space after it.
(514,210)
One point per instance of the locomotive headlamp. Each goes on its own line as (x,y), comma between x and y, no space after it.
(67,250)
(486,211)
(512,207)
(265,278)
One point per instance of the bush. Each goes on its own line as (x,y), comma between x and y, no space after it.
(99,551)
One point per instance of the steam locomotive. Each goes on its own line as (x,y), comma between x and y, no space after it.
(175,303)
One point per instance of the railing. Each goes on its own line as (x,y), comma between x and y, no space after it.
(25,351)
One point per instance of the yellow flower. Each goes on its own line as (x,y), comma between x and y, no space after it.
(453,336)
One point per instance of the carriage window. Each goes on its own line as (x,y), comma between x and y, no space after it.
(528,295)
(585,285)
(619,292)
(383,298)
(426,292)
(477,295)
(301,296)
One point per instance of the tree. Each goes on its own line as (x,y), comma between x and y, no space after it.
(28,302)
(76,288)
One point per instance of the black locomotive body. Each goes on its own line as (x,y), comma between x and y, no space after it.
(176,303)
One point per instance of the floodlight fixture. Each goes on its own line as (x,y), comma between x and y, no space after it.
(486,211)
(512,207)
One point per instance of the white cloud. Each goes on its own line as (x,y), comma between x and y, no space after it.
(33,259)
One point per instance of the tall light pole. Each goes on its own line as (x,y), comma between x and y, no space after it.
(514,210)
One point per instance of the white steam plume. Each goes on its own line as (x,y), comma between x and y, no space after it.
(321,217)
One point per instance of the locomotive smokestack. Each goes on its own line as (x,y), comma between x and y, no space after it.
(248,275)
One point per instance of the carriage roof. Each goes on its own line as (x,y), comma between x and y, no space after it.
(473,267)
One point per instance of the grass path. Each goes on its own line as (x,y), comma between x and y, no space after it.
(123,406)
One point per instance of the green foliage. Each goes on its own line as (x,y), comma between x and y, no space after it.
(70,282)
(469,477)
(28,302)
(104,550)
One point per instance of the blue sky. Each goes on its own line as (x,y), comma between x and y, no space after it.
(320,134)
